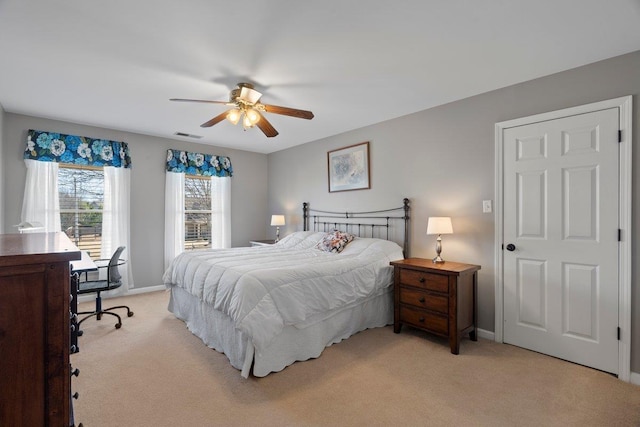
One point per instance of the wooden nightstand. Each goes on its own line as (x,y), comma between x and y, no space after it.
(268,242)
(437,298)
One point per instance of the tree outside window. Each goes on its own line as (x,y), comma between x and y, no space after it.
(197,219)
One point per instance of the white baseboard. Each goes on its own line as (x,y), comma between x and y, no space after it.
(488,335)
(146,289)
(634,378)
(134,291)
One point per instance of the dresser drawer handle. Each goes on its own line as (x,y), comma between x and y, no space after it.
(421,300)
(421,280)
(421,320)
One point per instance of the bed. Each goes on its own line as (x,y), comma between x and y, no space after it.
(266,307)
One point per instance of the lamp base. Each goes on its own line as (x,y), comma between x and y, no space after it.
(437,259)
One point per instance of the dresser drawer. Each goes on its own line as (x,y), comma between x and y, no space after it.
(423,319)
(432,282)
(439,303)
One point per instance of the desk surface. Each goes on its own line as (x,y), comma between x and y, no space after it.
(29,248)
(84,264)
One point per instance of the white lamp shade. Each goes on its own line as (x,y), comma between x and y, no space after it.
(439,225)
(277,220)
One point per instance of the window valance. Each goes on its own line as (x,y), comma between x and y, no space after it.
(78,150)
(198,164)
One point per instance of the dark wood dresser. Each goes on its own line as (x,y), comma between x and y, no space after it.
(35,374)
(436,297)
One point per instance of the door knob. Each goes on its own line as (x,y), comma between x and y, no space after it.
(511,247)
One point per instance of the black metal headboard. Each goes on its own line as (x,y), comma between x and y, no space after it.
(362,224)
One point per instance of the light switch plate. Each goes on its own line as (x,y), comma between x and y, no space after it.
(486,206)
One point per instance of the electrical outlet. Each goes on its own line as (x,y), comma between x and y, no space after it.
(486,206)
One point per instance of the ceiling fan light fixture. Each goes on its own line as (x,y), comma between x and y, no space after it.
(234,116)
(252,115)
(246,122)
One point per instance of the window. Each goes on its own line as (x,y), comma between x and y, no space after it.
(81,193)
(197,212)
(197,203)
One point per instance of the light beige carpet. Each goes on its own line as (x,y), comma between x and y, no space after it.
(154,372)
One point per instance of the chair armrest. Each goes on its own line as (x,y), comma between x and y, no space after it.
(99,261)
(102,263)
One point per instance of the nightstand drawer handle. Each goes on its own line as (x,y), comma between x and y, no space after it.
(421,320)
(421,280)
(421,300)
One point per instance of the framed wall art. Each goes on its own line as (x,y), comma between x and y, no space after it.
(348,168)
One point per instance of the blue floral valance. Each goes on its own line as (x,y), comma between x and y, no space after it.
(198,164)
(77,150)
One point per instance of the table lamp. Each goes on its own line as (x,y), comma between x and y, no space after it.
(277,221)
(439,225)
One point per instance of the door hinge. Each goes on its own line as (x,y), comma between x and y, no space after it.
(619,332)
(619,135)
(619,235)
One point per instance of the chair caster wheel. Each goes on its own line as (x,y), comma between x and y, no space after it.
(118,325)
(129,314)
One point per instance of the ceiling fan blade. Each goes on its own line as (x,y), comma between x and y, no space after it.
(201,100)
(266,127)
(215,120)
(286,111)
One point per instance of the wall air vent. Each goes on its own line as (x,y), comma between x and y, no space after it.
(188,135)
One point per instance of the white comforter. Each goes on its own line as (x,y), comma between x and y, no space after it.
(264,288)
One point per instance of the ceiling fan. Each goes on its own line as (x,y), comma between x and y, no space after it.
(248,108)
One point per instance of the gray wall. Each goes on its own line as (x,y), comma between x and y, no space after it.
(248,188)
(443,160)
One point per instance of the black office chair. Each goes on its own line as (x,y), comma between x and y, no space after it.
(96,286)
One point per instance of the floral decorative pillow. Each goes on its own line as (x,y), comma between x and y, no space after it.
(335,241)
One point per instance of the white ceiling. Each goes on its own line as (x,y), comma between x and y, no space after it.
(116,63)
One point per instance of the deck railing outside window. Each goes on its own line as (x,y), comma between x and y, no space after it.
(81,192)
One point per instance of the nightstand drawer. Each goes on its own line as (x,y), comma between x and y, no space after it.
(432,282)
(425,320)
(422,299)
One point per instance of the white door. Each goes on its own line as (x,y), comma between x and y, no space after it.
(561,218)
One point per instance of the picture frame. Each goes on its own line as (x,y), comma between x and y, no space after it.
(348,168)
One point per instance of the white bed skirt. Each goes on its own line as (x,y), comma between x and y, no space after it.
(216,330)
